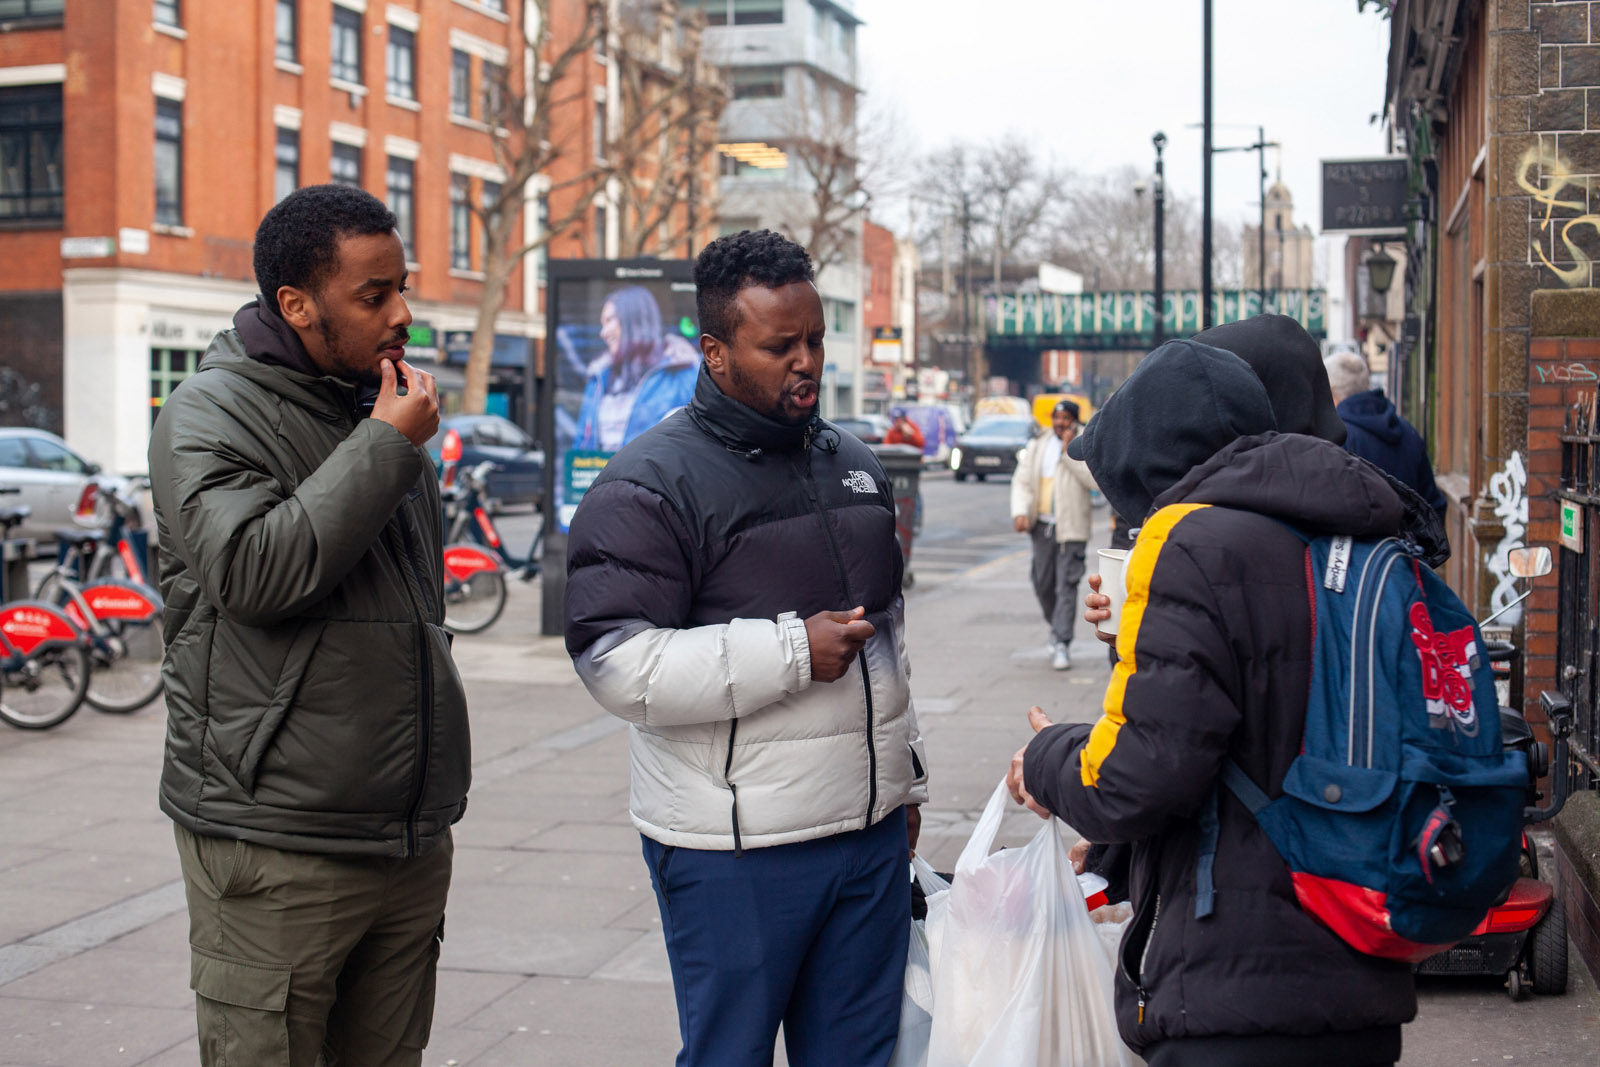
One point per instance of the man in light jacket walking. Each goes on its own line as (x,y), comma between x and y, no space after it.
(1050,500)
(733,591)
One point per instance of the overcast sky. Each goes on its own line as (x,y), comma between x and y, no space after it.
(1089,81)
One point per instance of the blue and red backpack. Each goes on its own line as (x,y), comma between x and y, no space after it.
(1401,818)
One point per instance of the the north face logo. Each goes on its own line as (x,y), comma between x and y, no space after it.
(1446,673)
(861,482)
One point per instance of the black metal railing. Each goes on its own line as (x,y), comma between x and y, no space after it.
(1577,631)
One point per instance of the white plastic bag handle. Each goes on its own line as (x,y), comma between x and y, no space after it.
(983,835)
(927,877)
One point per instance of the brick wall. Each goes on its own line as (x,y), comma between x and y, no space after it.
(1563,366)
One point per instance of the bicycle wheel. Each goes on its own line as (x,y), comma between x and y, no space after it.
(126,671)
(52,590)
(473,605)
(46,689)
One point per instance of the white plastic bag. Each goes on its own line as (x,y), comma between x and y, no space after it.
(1019,975)
(916,1008)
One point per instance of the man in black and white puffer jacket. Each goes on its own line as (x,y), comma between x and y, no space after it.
(733,591)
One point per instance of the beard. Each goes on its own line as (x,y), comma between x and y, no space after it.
(749,393)
(344,361)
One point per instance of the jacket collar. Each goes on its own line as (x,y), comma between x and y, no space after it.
(266,350)
(742,429)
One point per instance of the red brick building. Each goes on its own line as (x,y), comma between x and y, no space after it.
(144,141)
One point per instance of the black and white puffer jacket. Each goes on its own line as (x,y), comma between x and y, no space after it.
(692,563)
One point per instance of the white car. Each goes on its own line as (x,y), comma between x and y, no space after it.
(52,479)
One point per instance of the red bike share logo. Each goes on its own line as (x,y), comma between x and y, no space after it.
(118,602)
(1446,673)
(27,628)
(463,562)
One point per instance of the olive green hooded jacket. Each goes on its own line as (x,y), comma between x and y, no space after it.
(312,703)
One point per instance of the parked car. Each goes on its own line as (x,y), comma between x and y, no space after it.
(992,445)
(518,475)
(869,428)
(54,481)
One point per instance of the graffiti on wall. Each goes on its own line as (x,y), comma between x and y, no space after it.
(1559,179)
(1508,491)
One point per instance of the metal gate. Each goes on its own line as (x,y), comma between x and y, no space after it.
(1577,632)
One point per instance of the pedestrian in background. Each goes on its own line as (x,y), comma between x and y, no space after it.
(317,750)
(733,591)
(1376,432)
(1050,501)
(903,431)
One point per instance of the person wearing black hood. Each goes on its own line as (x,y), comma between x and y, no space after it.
(1214,662)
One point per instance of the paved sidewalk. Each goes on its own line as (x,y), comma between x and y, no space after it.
(553,951)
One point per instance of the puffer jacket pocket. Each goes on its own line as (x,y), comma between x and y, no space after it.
(250,673)
(299,655)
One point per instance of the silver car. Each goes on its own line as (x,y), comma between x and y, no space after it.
(51,478)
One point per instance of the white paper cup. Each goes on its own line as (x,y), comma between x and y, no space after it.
(1114,584)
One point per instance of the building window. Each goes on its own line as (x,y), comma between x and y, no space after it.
(287,31)
(757,12)
(600,130)
(494,5)
(15,9)
(841,315)
(541,255)
(402,81)
(739,12)
(30,152)
(286,175)
(168,367)
(488,197)
(169,162)
(345,57)
(600,230)
(344,166)
(166,13)
(757,83)
(402,180)
(460,84)
(493,76)
(460,222)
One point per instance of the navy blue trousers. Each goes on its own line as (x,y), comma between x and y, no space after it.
(811,935)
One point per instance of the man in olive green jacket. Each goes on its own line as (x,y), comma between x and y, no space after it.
(317,751)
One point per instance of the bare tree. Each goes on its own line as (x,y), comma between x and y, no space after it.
(824,131)
(671,101)
(1001,194)
(524,102)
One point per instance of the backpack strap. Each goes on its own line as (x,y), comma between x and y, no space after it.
(1254,798)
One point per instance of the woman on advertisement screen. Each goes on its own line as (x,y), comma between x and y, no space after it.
(645,374)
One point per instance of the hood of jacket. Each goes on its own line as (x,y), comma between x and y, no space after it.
(269,340)
(1289,363)
(741,429)
(1374,413)
(1182,403)
(1314,485)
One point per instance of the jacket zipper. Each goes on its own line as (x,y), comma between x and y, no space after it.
(1144,954)
(425,694)
(727,767)
(861,656)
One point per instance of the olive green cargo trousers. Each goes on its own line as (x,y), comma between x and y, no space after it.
(297,955)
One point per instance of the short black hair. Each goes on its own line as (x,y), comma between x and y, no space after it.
(297,243)
(1070,407)
(728,264)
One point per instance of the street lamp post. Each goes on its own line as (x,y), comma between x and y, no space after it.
(1160,141)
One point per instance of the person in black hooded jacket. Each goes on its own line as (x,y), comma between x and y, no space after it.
(1214,662)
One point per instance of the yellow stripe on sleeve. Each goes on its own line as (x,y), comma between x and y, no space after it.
(1138,570)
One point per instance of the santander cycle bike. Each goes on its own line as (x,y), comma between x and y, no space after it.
(44,659)
(476,559)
